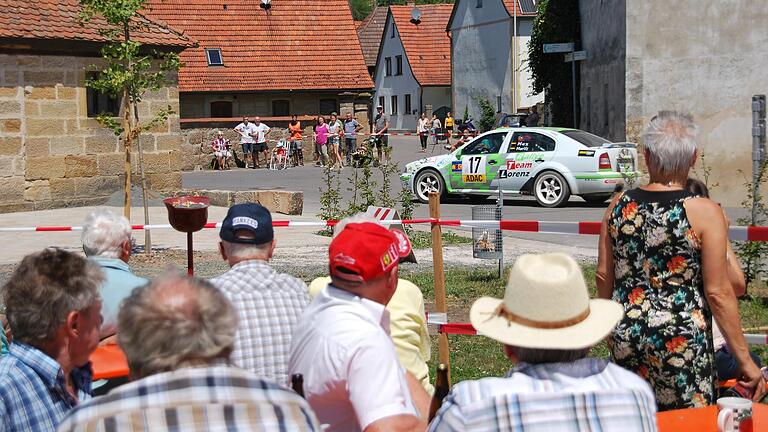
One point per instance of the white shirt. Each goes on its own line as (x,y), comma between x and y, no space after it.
(351,373)
(261,130)
(245,132)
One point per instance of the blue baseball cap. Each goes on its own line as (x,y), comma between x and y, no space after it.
(250,217)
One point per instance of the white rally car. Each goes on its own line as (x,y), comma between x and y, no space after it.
(550,163)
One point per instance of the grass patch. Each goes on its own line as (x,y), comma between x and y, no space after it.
(423,239)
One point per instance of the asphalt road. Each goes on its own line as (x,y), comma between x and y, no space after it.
(405,149)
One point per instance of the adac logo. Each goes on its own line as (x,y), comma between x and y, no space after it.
(456,166)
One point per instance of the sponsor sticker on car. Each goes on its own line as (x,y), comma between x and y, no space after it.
(473,169)
(456,166)
(515,165)
(586,153)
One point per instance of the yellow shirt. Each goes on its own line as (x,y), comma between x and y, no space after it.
(449,122)
(407,326)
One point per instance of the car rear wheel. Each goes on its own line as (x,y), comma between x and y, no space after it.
(595,199)
(551,189)
(427,181)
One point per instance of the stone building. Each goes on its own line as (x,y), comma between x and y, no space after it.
(705,60)
(489,51)
(53,153)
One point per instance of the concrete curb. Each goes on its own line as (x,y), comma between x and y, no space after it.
(277,201)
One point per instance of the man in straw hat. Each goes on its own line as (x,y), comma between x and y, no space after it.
(548,324)
(342,347)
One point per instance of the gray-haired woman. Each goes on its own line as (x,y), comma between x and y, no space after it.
(662,256)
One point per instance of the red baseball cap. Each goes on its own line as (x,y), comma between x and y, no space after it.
(364,251)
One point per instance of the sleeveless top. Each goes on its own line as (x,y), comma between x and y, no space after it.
(665,335)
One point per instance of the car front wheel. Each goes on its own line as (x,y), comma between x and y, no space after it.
(426,182)
(551,189)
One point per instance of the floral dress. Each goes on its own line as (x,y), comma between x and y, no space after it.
(665,335)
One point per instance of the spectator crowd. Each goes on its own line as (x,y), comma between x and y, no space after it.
(222,354)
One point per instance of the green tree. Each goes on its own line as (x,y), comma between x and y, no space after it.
(556,21)
(360,8)
(487,114)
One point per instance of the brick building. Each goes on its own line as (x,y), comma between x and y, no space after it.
(53,153)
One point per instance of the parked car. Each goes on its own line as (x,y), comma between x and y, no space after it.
(550,163)
(510,120)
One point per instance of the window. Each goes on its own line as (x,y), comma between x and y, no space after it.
(408,104)
(394,105)
(388,66)
(586,138)
(214,57)
(328,106)
(398,65)
(281,108)
(479,3)
(99,103)
(221,109)
(381,101)
(392,34)
(487,144)
(525,142)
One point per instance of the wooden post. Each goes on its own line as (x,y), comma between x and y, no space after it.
(439,271)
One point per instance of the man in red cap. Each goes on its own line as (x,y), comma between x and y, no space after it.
(341,346)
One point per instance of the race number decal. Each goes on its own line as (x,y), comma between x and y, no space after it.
(473,169)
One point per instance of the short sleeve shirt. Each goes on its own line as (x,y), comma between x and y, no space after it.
(350,128)
(260,131)
(245,132)
(342,348)
(381,121)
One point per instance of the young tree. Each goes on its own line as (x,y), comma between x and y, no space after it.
(129,73)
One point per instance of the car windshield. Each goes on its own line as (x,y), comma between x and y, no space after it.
(586,138)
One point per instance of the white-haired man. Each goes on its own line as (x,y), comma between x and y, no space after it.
(407,316)
(548,324)
(269,303)
(352,377)
(53,308)
(106,240)
(177,334)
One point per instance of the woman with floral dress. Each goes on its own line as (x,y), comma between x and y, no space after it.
(662,256)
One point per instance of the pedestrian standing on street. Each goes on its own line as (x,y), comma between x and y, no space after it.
(335,131)
(321,141)
(261,142)
(246,129)
(351,128)
(381,132)
(436,126)
(423,129)
(533,117)
(449,127)
(297,153)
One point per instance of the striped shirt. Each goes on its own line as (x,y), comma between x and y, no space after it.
(269,305)
(585,395)
(33,393)
(216,398)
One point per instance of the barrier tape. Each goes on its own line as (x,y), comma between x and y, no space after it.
(737,233)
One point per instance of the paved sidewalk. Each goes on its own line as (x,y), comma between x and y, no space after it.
(18,244)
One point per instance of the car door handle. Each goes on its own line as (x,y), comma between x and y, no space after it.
(539,160)
(492,162)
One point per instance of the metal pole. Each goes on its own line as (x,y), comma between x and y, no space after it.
(190,251)
(758,138)
(573,88)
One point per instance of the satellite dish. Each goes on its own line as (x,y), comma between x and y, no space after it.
(266,4)
(415,15)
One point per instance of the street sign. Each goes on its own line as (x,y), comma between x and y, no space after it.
(576,55)
(558,48)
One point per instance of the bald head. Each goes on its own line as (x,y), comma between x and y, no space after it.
(175,322)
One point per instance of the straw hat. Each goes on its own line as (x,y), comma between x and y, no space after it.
(546,305)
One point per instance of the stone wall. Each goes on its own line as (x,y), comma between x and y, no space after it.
(53,155)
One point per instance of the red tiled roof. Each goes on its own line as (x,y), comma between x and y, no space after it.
(298,45)
(369,33)
(426,44)
(60,19)
(511,4)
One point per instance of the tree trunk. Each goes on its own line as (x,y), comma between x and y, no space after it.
(147,234)
(127,141)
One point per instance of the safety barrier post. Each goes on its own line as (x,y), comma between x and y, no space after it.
(439,271)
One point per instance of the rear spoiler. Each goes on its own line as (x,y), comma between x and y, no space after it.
(619,145)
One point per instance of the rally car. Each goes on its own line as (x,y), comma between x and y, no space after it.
(550,163)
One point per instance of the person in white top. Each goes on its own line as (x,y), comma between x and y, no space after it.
(342,347)
(246,129)
(423,129)
(260,147)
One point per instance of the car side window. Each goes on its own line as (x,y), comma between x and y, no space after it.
(487,144)
(524,142)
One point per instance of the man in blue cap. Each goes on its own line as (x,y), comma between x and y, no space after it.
(268,303)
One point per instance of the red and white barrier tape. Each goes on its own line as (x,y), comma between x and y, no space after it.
(737,233)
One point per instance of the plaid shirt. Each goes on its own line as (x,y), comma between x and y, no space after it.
(269,305)
(215,398)
(585,395)
(33,393)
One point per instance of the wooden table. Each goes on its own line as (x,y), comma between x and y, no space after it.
(108,361)
(705,419)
